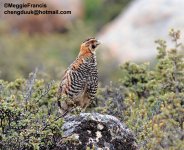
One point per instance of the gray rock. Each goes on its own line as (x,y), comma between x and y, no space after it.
(132,34)
(94,130)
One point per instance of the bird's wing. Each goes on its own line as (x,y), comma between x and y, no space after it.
(92,85)
(73,82)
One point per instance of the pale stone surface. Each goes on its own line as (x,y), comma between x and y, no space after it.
(132,34)
(98,131)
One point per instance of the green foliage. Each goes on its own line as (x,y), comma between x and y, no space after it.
(109,100)
(99,13)
(21,54)
(28,114)
(152,100)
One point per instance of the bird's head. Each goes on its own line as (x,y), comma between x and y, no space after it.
(90,44)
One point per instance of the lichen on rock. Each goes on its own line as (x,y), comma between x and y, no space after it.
(96,131)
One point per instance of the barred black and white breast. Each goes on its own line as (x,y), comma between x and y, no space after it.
(80,81)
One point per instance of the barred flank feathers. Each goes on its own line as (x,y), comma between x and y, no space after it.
(80,81)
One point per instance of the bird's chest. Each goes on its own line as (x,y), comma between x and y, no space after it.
(82,98)
(93,73)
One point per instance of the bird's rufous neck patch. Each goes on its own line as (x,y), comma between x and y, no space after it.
(85,52)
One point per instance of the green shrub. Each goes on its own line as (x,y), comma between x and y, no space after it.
(28,114)
(152,100)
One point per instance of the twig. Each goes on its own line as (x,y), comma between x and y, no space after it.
(46,89)
(29,86)
(63,115)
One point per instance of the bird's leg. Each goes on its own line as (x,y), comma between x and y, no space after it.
(85,107)
(76,110)
(70,102)
(73,106)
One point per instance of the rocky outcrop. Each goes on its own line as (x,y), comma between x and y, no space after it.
(96,131)
(132,34)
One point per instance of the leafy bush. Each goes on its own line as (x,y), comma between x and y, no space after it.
(28,114)
(151,102)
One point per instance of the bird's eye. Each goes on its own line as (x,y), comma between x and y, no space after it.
(93,46)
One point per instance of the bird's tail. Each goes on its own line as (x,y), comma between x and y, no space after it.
(59,105)
(63,108)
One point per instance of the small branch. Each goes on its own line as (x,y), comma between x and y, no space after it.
(29,86)
(55,120)
(175,78)
(1,88)
(46,89)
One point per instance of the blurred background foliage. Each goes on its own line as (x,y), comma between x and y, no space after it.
(21,51)
(99,13)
